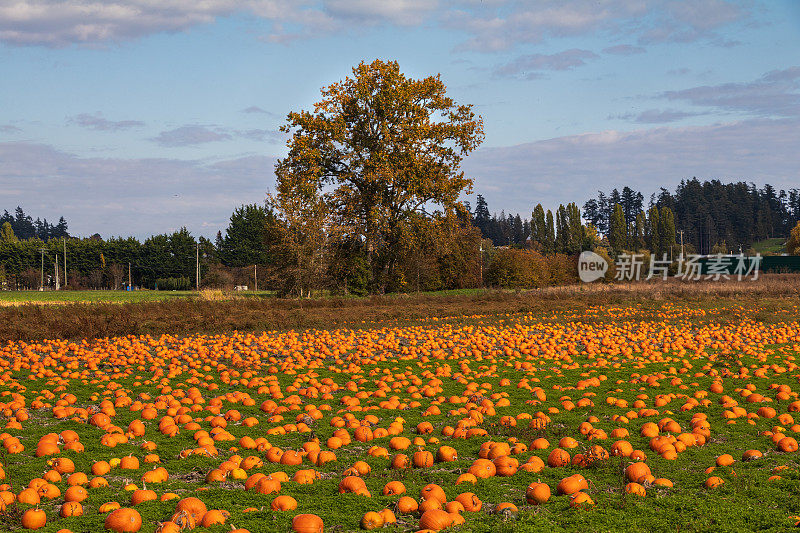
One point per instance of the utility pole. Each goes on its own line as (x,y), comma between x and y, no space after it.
(43,250)
(197,267)
(55,264)
(255,277)
(681,232)
(130,287)
(65,260)
(480,248)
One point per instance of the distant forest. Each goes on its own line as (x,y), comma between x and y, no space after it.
(709,213)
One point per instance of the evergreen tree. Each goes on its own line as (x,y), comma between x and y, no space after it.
(653,236)
(538,226)
(23,225)
(7,233)
(250,237)
(592,213)
(604,208)
(550,241)
(631,202)
(617,233)
(482,218)
(562,230)
(638,240)
(60,230)
(666,230)
(518,231)
(577,233)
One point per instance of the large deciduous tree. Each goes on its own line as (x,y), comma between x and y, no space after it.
(380,147)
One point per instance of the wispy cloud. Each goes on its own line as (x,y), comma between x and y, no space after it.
(776,93)
(270,136)
(401,12)
(496,26)
(9,129)
(656,116)
(487,25)
(97,122)
(196,134)
(136,197)
(570,169)
(146,196)
(255,109)
(64,22)
(189,136)
(531,66)
(624,50)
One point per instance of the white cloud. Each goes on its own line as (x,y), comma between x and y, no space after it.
(137,197)
(9,129)
(190,136)
(656,116)
(776,93)
(530,66)
(64,22)
(489,25)
(98,122)
(624,50)
(573,168)
(401,12)
(503,26)
(145,196)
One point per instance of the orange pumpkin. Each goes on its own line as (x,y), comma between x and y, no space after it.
(372,520)
(34,519)
(284,503)
(124,520)
(470,502)
(435,520)
(307,523)
(537,493)
(214,517)
(192,506)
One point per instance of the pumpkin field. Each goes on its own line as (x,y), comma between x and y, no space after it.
(660,417)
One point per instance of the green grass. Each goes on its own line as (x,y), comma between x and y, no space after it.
(103,296)
(773,246)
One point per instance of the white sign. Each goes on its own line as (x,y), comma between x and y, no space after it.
(591,267)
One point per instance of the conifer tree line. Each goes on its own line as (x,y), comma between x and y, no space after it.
(24,227)
(714,216)
(434,252)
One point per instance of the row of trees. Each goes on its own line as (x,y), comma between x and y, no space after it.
(566,233)
(22,226)
(96,263)
(729,216)
(433,254)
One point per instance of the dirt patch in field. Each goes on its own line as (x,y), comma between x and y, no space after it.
(768,297)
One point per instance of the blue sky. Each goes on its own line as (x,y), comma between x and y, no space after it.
(136,117)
